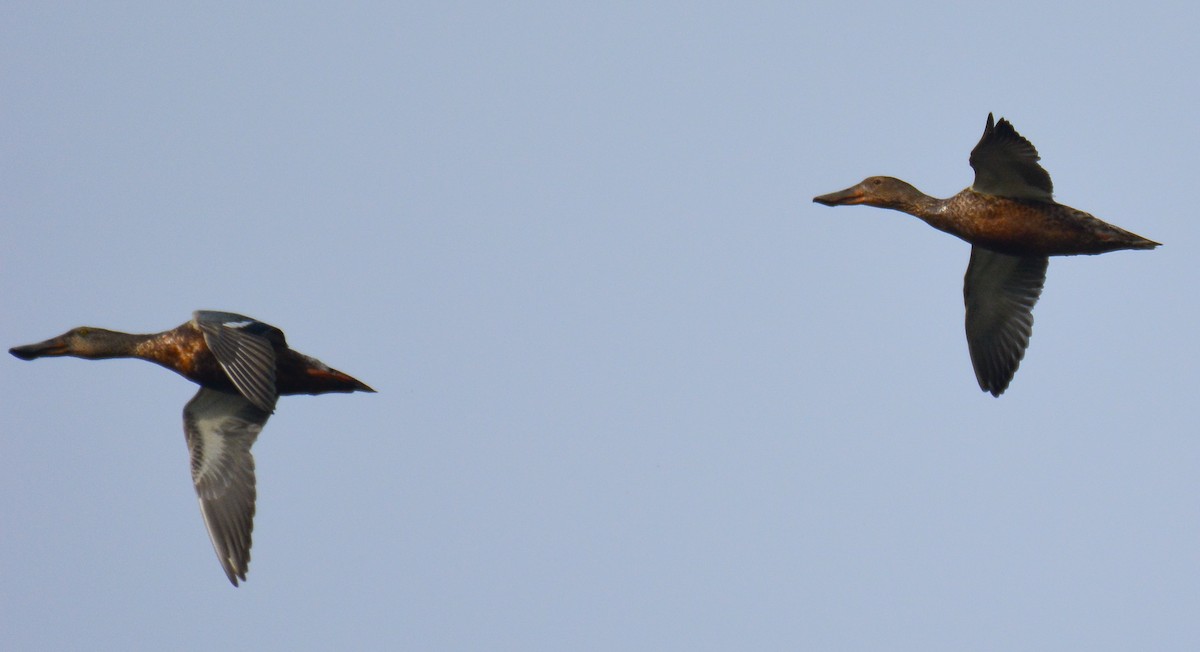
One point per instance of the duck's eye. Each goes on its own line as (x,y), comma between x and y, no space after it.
(876,181)
(81,331)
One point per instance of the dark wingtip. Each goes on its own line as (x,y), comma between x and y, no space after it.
(995,390)
(994,386)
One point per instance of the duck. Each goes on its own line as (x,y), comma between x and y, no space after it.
(242,366)
(1010,218)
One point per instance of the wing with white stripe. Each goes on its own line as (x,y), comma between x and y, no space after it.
(220,428)
(245,351)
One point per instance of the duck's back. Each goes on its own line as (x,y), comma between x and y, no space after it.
(1031,227)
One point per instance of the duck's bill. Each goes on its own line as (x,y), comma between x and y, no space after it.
(846,197)
(51,347)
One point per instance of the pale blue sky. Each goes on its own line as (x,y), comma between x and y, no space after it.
(636,391)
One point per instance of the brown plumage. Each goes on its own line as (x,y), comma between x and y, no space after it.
(242,366)
(1013,224)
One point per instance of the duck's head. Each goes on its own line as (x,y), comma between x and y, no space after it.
(82,342)
(884,192)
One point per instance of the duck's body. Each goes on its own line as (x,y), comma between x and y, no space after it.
(242,366)
(186,351)
(1019,226)
(1013,224)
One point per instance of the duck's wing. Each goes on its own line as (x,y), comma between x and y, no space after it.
(220,428)
(1006,165)
(245,349)
(1000,291)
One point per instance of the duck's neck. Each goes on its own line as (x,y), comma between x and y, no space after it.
(919,204)
(930,209)
(114,344)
